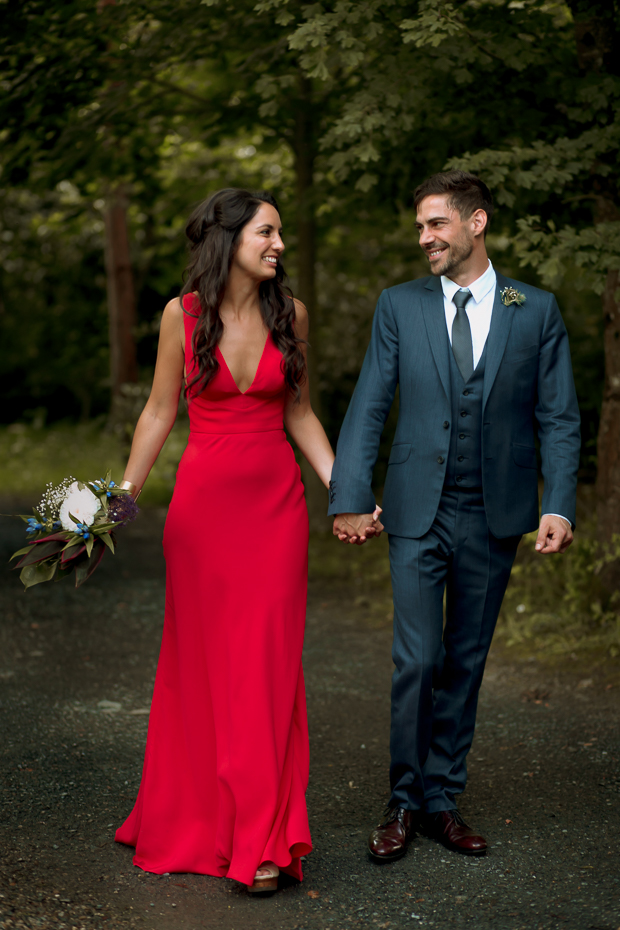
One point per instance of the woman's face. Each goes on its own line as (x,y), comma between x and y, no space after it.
(260,245)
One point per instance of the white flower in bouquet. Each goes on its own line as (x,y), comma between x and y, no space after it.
(80,503)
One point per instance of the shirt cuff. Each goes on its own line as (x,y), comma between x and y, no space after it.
(560,516)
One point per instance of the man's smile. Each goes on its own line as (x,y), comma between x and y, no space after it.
(435,253)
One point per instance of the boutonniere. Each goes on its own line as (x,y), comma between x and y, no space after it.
(510,295)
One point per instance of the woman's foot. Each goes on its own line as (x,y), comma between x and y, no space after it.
(266,878)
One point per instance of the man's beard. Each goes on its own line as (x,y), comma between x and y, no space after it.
(456,255)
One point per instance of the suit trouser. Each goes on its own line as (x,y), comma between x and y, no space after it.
(439,671)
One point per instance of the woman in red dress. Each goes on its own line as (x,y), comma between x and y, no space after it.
(226,763)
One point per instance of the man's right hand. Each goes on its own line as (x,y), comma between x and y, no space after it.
(356,528)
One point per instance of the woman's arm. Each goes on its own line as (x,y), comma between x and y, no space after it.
(159,414)
(301,421)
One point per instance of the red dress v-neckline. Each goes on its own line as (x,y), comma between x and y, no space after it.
(243,393)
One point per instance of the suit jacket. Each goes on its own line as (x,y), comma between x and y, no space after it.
(528,386)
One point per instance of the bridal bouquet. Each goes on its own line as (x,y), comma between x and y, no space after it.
(71,529)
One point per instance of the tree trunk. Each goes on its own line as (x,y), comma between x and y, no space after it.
(598,52)
(121,295)
(608,445)
(305,153)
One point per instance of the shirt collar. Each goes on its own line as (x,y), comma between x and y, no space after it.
(479,288)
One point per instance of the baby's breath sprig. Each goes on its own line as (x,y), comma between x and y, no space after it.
(53,496)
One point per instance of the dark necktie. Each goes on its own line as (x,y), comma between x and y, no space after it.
(461,336)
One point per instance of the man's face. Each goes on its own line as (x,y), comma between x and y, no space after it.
(445,238)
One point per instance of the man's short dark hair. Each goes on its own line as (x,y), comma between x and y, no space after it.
(466,193)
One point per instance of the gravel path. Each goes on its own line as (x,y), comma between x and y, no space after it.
(76,672)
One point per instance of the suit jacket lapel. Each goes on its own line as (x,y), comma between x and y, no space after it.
(435,322)
(501,321)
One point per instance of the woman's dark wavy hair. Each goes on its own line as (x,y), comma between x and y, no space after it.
(214,230)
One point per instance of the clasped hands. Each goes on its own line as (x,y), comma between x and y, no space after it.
(555,533)
(356,528)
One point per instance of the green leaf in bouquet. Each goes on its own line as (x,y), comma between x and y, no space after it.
(36,574)
(85,569)
(39,552)
(62,572)
(35,513)
(97,491)
(90,542)
(72,551)
(100,528)
(20,552)
(75,540)
(106,539)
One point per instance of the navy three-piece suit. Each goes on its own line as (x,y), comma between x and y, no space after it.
(461,489)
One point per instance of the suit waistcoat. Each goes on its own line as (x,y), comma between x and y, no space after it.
(465,457)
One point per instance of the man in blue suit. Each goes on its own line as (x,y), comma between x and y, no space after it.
(483,364)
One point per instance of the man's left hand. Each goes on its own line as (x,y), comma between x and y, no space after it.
(554,535)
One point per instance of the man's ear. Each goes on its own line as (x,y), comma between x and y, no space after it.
(479,221)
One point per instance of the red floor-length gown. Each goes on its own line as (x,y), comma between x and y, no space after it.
(226,763)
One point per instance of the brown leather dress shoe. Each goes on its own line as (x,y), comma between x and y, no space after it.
(390,839)
(450,829)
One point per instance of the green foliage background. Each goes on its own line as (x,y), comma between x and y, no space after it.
(177,99)
(174,99)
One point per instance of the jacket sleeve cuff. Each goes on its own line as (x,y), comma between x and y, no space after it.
(350,500)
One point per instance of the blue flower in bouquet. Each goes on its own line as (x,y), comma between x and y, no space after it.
(82,530)
(100,485)
(33,525)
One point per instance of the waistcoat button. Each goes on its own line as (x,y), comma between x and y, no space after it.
(440,459)
(446,424)
(463,413)
(465,393)
(459,477)
(461,435)
(460,458)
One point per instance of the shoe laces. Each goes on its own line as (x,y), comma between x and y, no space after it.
(391,814)
(457,817)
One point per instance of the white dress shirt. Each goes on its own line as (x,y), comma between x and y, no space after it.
(479,309)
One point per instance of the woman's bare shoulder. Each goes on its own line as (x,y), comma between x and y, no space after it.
(173,321)
(301,312)
(301,318)
(174,310)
